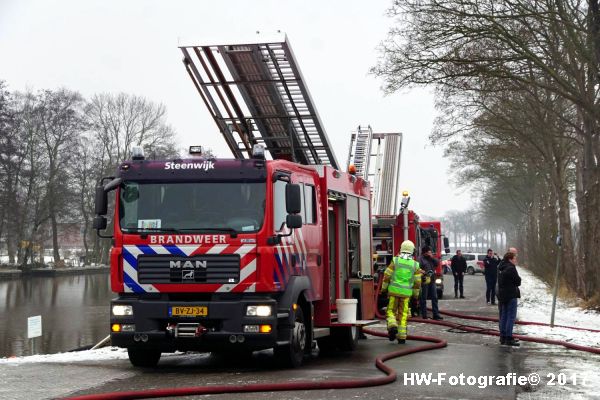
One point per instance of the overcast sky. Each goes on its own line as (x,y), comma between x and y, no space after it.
(131,46)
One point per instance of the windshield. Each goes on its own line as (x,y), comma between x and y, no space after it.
(192,206)
(429,237)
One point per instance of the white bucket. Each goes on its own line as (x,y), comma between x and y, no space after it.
(346,310)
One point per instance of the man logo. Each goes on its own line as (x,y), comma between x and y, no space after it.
(188,264)
(187,275)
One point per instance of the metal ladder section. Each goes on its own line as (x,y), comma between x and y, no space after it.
(359,153)
(386,148)
(256,95)
(388,183)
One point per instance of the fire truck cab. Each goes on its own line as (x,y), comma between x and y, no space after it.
(236,255)
(432,236)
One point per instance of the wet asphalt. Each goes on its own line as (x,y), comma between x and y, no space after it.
(467,354)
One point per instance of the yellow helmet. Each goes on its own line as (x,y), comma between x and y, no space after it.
(407,247)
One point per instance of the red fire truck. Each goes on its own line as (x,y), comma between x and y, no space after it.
(390,231)
(213,254)
(236,255)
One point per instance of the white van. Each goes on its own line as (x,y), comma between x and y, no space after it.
(474,262)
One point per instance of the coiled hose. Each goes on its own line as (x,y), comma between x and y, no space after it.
(390,374)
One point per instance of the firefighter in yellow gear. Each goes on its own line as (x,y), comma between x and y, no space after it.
(398,282)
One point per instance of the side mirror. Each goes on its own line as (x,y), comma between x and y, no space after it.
(446,245)
(99,223)
(101,201)
(101,204)
(293,201)
(293,221)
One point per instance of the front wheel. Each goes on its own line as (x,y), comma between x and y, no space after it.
(471,271)
(144,358)
(292,354)
(440,294)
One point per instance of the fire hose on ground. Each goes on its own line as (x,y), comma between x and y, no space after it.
(493,319)
(390,376)
(390,373)
(495,332)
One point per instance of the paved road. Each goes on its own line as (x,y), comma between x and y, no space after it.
(469,354)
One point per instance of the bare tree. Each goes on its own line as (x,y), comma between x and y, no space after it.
(122,121)
(84,175)
(119,122)
(546,51)
(61,124)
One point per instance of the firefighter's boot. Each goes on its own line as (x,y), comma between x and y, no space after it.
(392,332)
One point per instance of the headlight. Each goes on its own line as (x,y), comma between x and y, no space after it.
(438,280)
(258,311)
(121,310)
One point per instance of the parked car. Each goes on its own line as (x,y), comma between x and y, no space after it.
(474,262)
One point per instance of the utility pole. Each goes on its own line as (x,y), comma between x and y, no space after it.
(555,292)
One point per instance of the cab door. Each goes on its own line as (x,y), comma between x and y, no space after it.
(338,252)
(308,240)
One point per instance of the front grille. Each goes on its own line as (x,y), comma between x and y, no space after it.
(207,268)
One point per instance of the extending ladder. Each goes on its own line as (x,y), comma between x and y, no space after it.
(256,94)
(384,176)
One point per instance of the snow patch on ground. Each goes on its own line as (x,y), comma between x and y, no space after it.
(536,305)
(106,353)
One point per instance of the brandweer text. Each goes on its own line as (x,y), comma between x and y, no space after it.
(187,239)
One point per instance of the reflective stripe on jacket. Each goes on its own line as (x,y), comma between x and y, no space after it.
(418,281)
(403,277)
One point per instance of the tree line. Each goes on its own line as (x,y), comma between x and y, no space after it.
(517,90)
(470,231)
(55,145)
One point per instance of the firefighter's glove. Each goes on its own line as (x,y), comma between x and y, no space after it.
(428,277)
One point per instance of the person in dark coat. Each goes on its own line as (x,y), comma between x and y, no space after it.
(428,289)
(508,293)
(490,263)
(458,264)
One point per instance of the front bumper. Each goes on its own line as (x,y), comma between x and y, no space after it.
(221,329)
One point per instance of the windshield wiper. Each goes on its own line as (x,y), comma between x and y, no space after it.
(231,231)
(142,230)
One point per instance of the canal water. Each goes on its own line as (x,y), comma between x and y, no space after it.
(74,310)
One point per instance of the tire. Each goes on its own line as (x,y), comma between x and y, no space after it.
(327,345)
(341,339)
(143,358)
(346,337)
(471,271)
(292,354)
(440,294)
